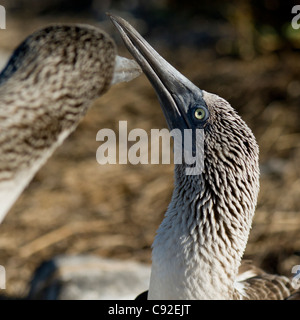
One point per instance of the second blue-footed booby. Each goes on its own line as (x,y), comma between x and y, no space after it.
(197,252)
(46,88)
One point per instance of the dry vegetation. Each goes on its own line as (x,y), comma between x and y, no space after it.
(74,205)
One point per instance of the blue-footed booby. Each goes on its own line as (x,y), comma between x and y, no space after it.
(46,88)
(198,249)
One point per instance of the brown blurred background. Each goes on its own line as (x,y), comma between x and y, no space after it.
(245,51)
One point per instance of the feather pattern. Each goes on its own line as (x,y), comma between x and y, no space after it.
(197,252)
(46,88)
(199,245)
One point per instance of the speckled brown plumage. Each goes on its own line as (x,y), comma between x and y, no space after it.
(45,90)
(199,245)
(47,87)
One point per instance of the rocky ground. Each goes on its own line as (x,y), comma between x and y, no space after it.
(76,206)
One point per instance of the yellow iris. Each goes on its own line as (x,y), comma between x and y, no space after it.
(199,113)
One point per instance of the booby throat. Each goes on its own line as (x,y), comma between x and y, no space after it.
(46,88)
(197,252)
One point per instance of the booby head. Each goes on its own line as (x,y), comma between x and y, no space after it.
(200,243)
(186,106)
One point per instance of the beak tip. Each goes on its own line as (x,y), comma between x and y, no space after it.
(110,15)
(115,19)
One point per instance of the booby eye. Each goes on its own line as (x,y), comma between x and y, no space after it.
(200,113)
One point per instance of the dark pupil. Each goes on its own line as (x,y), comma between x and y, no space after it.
(199,113)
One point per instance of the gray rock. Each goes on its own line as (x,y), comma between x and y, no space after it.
(88,277)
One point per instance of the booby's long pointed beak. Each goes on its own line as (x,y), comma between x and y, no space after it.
(175,92)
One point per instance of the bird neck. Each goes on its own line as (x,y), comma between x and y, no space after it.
(199,245)
(32,127)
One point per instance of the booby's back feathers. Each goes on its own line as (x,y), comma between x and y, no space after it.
(253,283)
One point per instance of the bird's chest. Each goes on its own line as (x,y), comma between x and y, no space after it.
(186,264)
(181,270)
